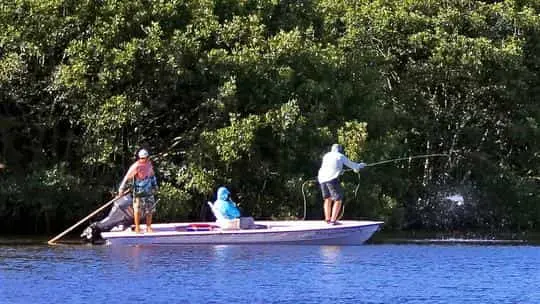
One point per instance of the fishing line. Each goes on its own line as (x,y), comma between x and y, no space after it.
(358,173)
(404,158)
(304,195)
(407,158)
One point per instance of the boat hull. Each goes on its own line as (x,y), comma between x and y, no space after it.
(273,232)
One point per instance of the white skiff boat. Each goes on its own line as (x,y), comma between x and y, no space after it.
(262,232)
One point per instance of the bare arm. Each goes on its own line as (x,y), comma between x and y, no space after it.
(129,175)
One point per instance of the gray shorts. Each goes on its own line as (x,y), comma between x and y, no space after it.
(144,204)
(332,189)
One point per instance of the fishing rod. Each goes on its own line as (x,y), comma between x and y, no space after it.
(370,165)
(403,158)
(407,158)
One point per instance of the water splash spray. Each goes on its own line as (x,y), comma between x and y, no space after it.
(456,198)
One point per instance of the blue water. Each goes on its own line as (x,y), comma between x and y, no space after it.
(406,273)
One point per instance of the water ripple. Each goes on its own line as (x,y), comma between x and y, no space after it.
(410,273)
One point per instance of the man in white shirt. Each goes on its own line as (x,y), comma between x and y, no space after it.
(331,167)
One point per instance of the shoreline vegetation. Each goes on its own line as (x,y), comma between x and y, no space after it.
(251,94)
(381,237)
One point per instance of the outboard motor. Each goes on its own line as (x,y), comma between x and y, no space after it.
(120,217)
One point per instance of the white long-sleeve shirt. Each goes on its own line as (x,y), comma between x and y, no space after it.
(332,164)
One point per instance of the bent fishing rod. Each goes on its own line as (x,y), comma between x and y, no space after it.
(407,158)
(371,165)
(403,158)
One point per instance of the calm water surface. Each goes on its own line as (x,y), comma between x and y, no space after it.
(406,273)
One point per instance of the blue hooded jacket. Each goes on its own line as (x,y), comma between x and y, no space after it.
(225,205)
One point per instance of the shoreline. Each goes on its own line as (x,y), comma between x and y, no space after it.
(381,237)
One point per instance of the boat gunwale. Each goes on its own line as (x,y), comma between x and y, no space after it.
(243,232)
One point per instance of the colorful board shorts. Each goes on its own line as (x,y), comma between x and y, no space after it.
(144,204)
(332,189)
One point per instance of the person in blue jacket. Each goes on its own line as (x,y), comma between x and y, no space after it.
(225,205)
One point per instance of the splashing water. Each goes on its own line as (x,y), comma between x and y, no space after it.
(457,198)
(448,207)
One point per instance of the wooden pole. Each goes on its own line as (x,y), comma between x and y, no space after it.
(53,240)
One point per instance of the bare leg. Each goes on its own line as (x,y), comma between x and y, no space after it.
(136,214)
(327,209)
(149,223)
(335,211)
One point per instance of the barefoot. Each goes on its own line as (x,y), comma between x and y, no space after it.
(149,230)
(137,230)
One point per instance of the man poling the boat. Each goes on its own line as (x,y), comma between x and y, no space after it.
(328,177)
(144,185)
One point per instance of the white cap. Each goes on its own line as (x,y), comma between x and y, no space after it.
(143,153)
(337,148)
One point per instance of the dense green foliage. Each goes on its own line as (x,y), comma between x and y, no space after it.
(250,94)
